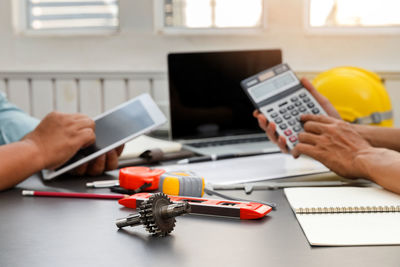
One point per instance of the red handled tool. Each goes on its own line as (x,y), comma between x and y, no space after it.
(213,207)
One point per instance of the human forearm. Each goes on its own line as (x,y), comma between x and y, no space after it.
(380,136)
(381,166)
(55,140)
(19,160)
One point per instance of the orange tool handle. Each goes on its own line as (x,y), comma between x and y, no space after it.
(213,207)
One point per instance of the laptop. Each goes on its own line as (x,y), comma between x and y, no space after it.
(209,111)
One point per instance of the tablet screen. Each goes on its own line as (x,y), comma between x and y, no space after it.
(114,127)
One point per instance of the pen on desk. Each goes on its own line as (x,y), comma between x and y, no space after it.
(219,157)
(102,184)
(248,188)
(71,195)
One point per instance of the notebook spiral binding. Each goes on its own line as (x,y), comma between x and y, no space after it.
(366,209)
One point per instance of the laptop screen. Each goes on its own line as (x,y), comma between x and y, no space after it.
(206,99)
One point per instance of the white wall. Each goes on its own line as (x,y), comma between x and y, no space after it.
(138,48)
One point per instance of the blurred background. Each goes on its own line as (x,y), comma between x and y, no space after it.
(89,56)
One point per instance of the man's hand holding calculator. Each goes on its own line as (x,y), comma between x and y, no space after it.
(353,151)
(282,98)
(319,132)
(270,127)
(297,118)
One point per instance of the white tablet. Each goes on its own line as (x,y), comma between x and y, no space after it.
(114,128)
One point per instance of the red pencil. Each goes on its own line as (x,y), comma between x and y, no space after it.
(74,195)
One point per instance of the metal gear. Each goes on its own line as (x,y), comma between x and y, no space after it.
(157,214)
(151,217)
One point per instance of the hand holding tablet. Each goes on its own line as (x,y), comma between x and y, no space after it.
(113,129)
(101,164)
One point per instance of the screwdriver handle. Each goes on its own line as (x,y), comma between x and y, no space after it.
(182,183)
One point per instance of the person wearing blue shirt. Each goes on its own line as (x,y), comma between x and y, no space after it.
(14,123)
(28,145)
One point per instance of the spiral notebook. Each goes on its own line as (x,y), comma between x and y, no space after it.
(347,216)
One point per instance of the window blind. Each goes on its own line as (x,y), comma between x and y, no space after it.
(45,15)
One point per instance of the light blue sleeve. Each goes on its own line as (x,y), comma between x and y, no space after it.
(14,123)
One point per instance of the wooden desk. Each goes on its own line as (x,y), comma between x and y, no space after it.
(37,231)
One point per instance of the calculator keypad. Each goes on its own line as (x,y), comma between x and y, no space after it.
(287,111)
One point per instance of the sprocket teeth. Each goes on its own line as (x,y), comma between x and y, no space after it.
(152,222)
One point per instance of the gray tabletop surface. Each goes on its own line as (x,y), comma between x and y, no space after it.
(39,231)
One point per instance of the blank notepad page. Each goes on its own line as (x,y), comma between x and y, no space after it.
(347,216)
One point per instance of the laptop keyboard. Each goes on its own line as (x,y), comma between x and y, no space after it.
(229,142)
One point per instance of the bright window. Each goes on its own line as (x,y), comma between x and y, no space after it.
(213,14)
(354,13)
(71,15)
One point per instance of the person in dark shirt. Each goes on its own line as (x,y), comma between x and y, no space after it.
(350,150)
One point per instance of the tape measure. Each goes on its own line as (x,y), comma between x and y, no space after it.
(180,183)
(176,183)
(173,183)
(133,178)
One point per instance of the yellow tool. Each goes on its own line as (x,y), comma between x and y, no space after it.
(182,183)
(358,95)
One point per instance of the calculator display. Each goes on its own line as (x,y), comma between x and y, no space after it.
(273,85)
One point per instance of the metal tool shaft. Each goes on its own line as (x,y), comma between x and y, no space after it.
(175,210)
(131,220)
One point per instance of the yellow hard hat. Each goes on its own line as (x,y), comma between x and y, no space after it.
(357,94)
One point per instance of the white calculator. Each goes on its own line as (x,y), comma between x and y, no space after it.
(279,95)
